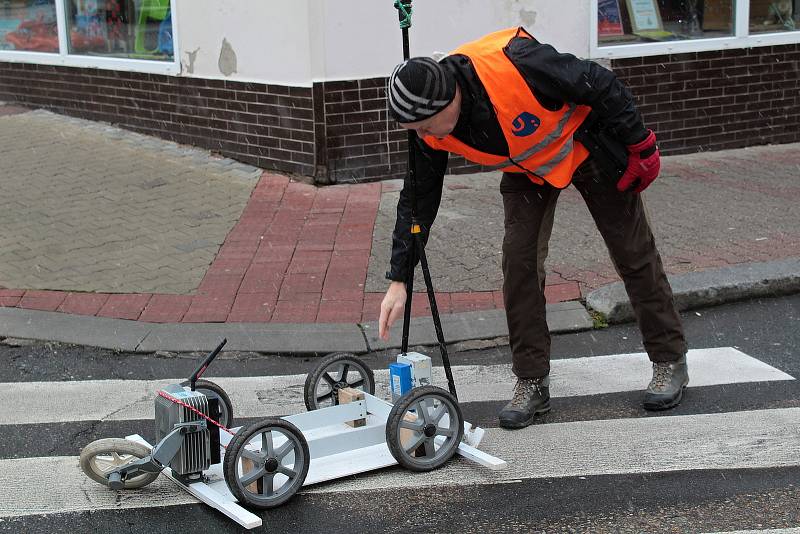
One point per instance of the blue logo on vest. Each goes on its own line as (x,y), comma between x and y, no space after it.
(525,124)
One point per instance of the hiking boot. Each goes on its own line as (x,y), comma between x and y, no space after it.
(666,388)
(531,397)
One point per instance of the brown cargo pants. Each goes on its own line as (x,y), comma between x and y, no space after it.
(621,219)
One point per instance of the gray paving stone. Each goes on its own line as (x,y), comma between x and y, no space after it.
(706,210)
(105,205)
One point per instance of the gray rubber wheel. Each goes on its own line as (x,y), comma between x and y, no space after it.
(424,428)
(212,390)
(334,372)
(266,463)
(101,457)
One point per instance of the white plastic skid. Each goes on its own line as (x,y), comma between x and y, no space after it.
(213,493)
(337,450)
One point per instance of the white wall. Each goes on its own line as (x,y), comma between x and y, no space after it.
(297,42)
(362,38)
(268,38)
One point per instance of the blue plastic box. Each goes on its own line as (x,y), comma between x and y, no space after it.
(399,379)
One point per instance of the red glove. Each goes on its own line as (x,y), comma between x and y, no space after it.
(644,162)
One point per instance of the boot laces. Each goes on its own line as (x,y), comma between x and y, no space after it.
(662,375)
(523,391)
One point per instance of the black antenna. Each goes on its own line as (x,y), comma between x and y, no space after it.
(206,362)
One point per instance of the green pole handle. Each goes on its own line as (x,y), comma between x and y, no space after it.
(404,12)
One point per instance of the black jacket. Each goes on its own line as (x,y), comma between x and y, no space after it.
(554,79)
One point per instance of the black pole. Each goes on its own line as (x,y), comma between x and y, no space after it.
(417,248)
(404,14)
(437,323)
(412,260)
(406,47)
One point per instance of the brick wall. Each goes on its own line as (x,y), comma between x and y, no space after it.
(718,100)
(340,131)
(363,142)
(271,126)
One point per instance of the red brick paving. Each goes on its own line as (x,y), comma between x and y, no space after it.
(372,307)
(463,302)
(124,306)
(83,303)
(166,308)
(12,110)
(42,300)
(293,311)
(339,311)
(10,297)
(263,278)
(562,292)
(208,309)
(252,308)
(499,300)
(297,254)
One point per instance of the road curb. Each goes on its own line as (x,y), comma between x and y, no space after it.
(692,290)
(297,338)
(707,288)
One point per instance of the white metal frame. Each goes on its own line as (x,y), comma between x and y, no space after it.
(741,38)
(64,58)
(336,450)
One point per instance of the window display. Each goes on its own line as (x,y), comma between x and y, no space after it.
(774,15)
(641,21)
(136,29)
(28,25)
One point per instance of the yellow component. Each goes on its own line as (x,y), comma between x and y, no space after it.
(415,229)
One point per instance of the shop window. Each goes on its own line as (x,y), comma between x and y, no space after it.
(28,25)
(641,21)
(774,15)
(135,29)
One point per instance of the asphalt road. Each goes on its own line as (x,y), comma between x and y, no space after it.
(701,499)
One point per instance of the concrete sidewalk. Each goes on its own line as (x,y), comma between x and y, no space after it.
(164,240)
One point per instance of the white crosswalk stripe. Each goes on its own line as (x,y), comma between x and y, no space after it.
(752,439)
(116,400)
(739,440)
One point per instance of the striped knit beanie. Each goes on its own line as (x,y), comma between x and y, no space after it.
(419,88)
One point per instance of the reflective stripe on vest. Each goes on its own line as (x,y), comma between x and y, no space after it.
(539,140)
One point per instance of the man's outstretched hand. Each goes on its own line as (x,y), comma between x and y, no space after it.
(391,308)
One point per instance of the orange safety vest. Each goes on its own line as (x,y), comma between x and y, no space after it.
(540,141)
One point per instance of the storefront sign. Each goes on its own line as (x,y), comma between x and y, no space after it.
(644,15)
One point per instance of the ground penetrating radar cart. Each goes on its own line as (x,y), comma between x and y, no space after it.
(347,430)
